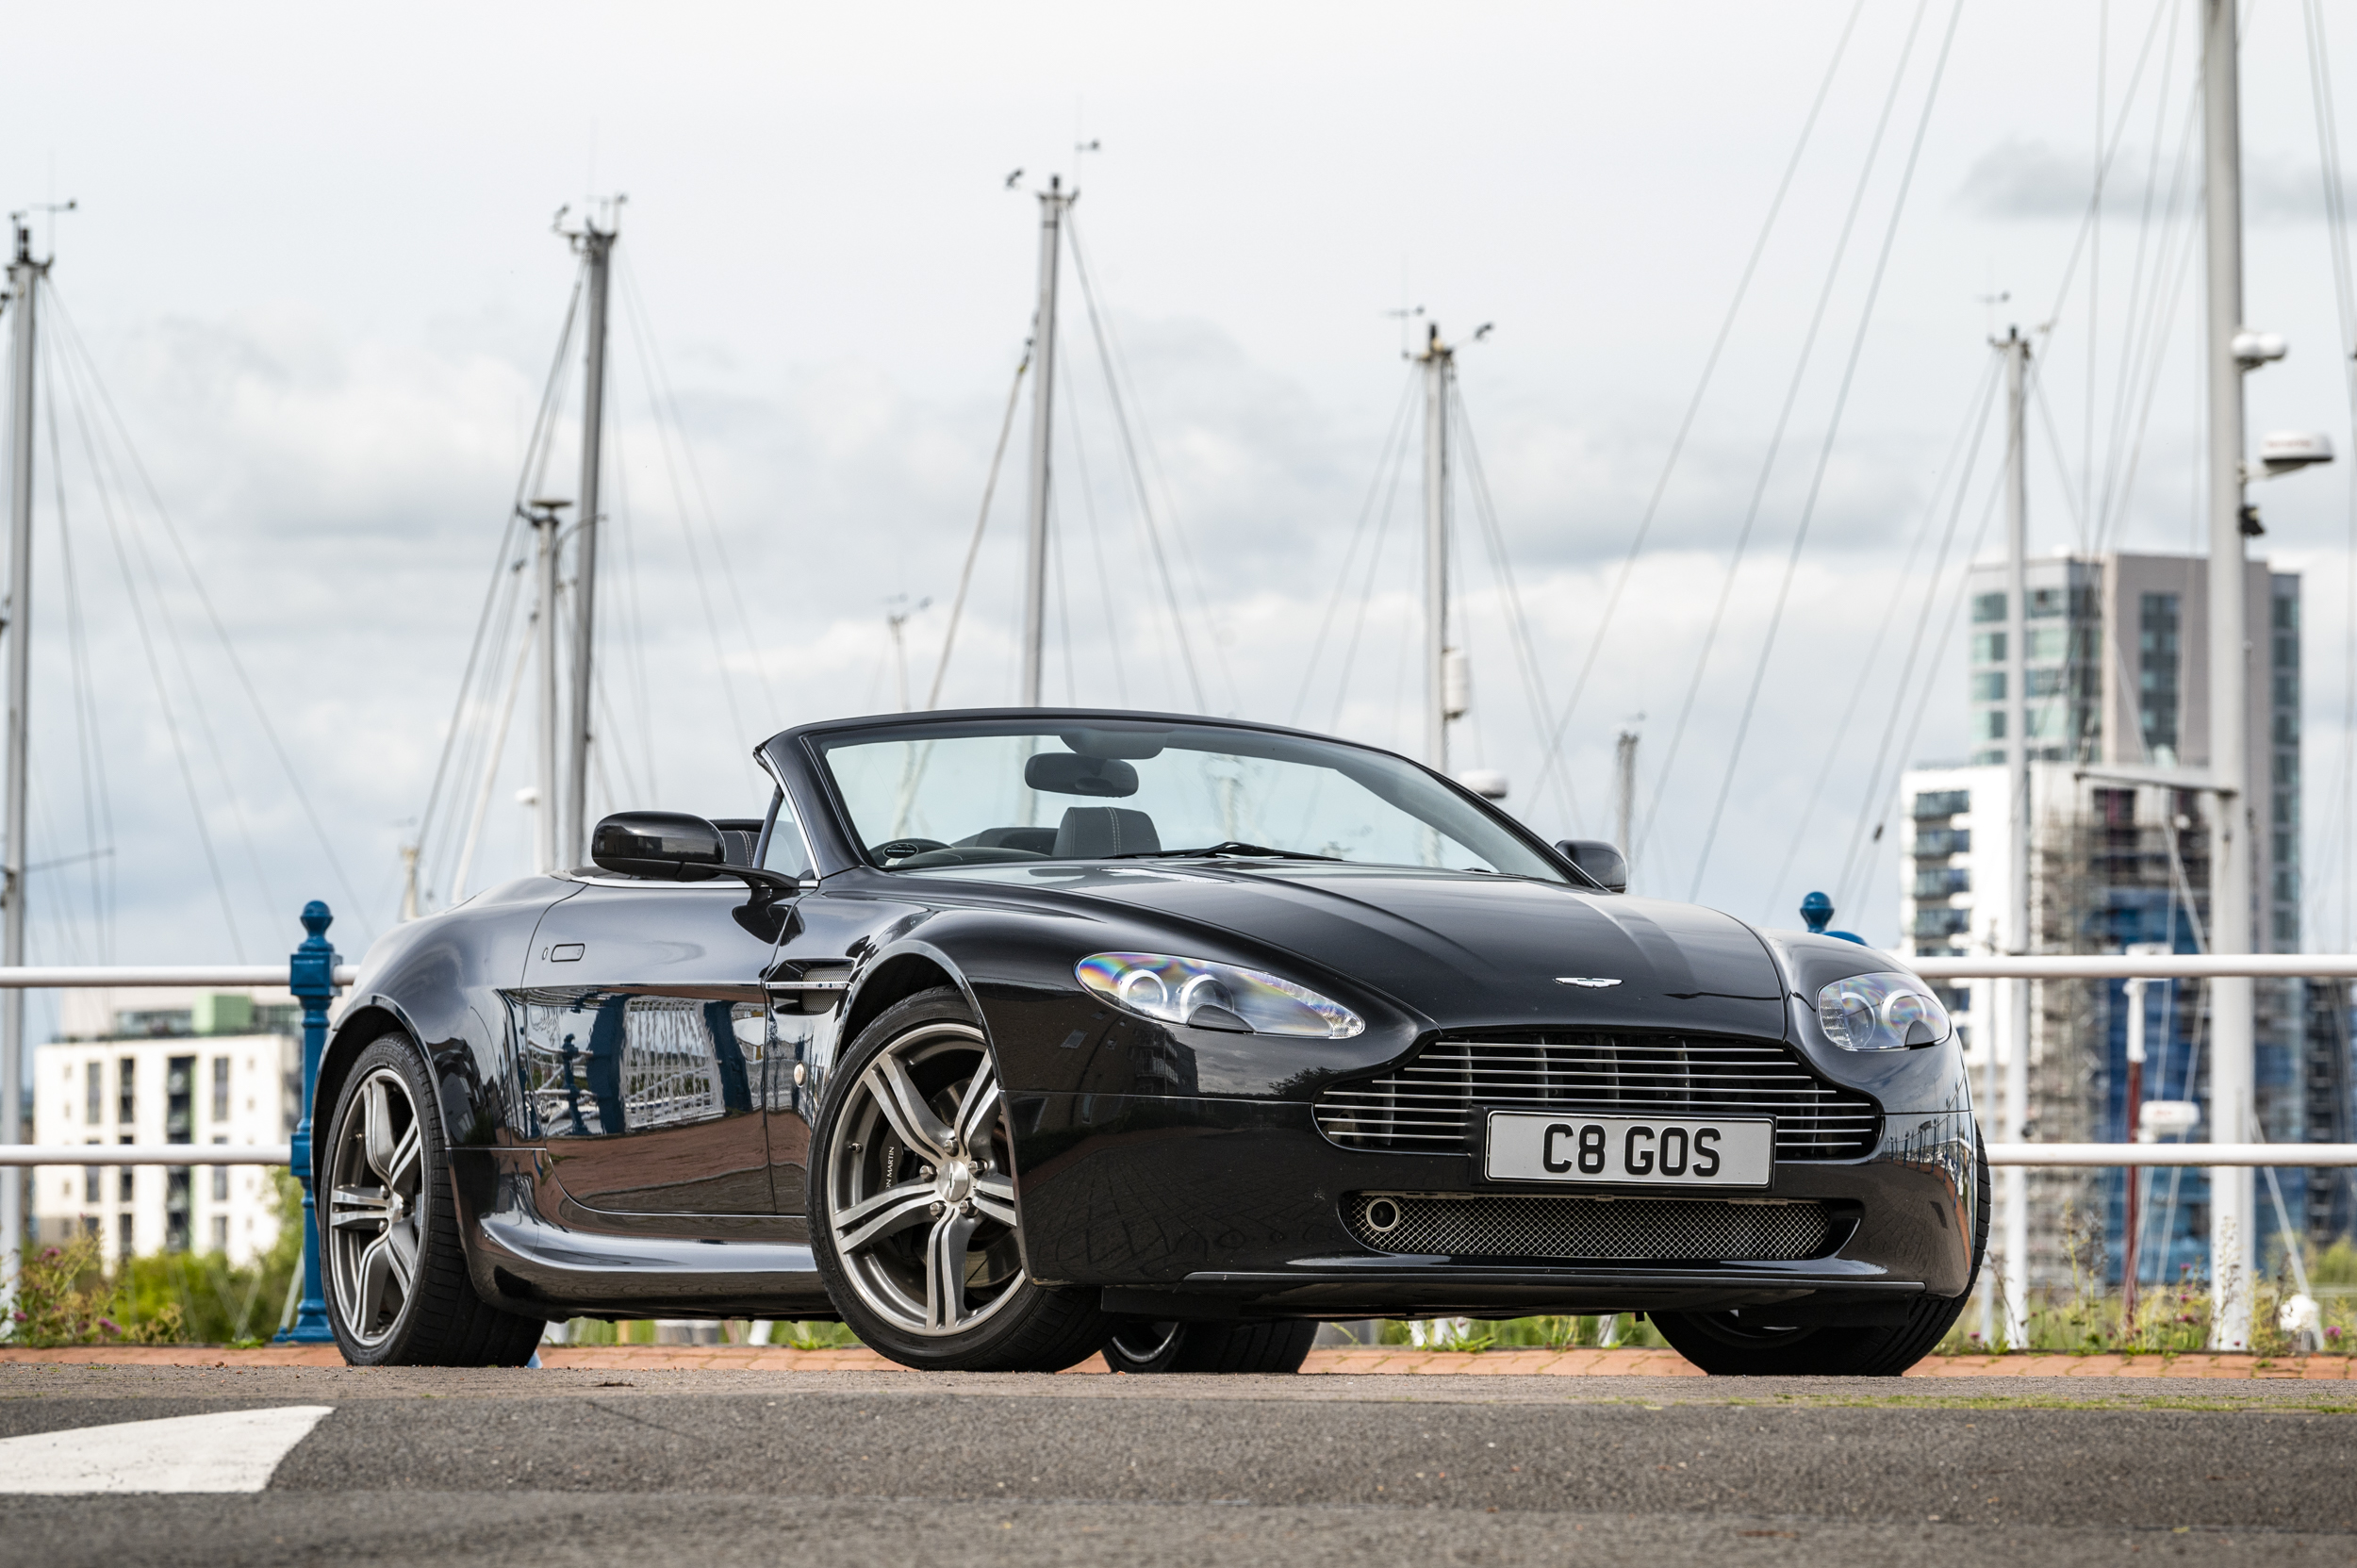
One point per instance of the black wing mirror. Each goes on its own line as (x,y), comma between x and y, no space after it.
(1599,861)
(665,846)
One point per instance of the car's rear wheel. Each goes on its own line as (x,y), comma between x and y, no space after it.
(1140,1345)
(397,1289)
(912,1204)
(1750,1342)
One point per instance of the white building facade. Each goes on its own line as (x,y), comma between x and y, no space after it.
(164,1084)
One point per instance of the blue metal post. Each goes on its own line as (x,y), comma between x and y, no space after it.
(311,976)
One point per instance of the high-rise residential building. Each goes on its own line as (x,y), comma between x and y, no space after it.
(165,1067)
(2116,667)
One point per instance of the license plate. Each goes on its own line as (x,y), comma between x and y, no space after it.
(1645,1151)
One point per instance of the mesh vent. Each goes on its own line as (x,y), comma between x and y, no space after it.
(1426,1105)
(1600,1229)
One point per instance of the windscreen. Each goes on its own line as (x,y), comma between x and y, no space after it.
(993,793)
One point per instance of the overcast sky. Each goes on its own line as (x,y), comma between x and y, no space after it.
(313,268)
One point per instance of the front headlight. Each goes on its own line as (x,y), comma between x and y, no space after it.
(1205,995)
(1884,1012)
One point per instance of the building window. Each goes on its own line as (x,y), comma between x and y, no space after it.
(1939,881)
(1988,648)
(1988,724)
(2040,683)
(221,1088)
(1987,607)
(221,1233)
(221,1177)
(1988,687)
(2157,658)
(2047,644)
(1932,924)
(92,1189)
(176,1197)
(93,1092)
(126,1176)
(1942,802)
(126,1090)
(1939,843)
(180,1099)
(2046,604)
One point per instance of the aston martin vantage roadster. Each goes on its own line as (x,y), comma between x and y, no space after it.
(1012,1036)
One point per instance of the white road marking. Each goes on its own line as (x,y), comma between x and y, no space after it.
(236,1451)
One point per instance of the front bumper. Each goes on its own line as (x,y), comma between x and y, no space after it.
(1236,1206)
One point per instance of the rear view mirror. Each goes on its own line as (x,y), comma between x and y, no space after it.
(665,846)
(1598,861)
(1062,773)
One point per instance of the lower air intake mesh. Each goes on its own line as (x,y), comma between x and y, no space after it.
(1615,1230)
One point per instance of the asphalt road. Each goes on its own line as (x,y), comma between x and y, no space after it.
(633,1469)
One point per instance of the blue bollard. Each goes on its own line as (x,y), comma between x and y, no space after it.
(311,976)
(1816,914)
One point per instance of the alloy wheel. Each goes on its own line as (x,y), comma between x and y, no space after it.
(919,1201)
(375,1224)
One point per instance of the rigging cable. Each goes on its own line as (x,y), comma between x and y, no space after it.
(526,478)
(1554,738)
(1100,331)
(659,374)
(1517,624)
(155,672)
(1970,429)
(1783,423)
(1366,590)
(981,520)
(1394,432)
(1096,535)
(90,754)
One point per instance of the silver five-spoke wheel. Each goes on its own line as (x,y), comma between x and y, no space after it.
(373,1215)
(921,1206)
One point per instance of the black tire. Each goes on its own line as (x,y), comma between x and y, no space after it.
(1749,1344)
(982,1313)
(1140,1345)
(439,1320)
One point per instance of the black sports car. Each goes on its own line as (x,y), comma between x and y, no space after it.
(1011,1035)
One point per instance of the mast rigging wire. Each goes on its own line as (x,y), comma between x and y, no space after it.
(981,521)
(1554,738)
(1101,333)
(1394,432)
(1970,429)
(1783,421)
(1087,487)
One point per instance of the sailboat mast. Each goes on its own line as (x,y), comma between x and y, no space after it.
(25,280)
(2232,886)
(1438,362)
(1052,203)
(545,535)
(596,249)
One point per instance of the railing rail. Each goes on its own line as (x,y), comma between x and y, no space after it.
(2134,966)
(145,1154)
(99,977)
(2197,1155)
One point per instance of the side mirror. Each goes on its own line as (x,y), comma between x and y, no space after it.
(1598,861)
(665,846)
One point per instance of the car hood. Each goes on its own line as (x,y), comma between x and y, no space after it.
(1470,950)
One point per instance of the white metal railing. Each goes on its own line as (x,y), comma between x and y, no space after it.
(2196,1155)
(2134,966)
(100,977)
(145,1154)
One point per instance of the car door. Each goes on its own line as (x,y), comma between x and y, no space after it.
(821,935)
(643,1028)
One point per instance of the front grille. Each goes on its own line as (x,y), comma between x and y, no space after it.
(1425,1106)
(1643,1230)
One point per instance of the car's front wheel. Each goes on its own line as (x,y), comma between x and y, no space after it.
(1751,1341)
(912,1204)
(398,1293)
(1140,1345)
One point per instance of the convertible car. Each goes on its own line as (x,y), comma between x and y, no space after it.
(1010,1036)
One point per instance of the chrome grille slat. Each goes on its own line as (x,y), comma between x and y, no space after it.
(1422,1105)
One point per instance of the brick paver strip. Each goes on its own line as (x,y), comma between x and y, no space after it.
(1407,1360)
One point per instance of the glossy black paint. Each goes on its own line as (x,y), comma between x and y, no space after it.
(1178,1161)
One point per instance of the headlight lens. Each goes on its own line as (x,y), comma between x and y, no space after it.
(1214,996)
(1884,1012)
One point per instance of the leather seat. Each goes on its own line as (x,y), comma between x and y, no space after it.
(1093,832)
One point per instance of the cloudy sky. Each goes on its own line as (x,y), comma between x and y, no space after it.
(312,275)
